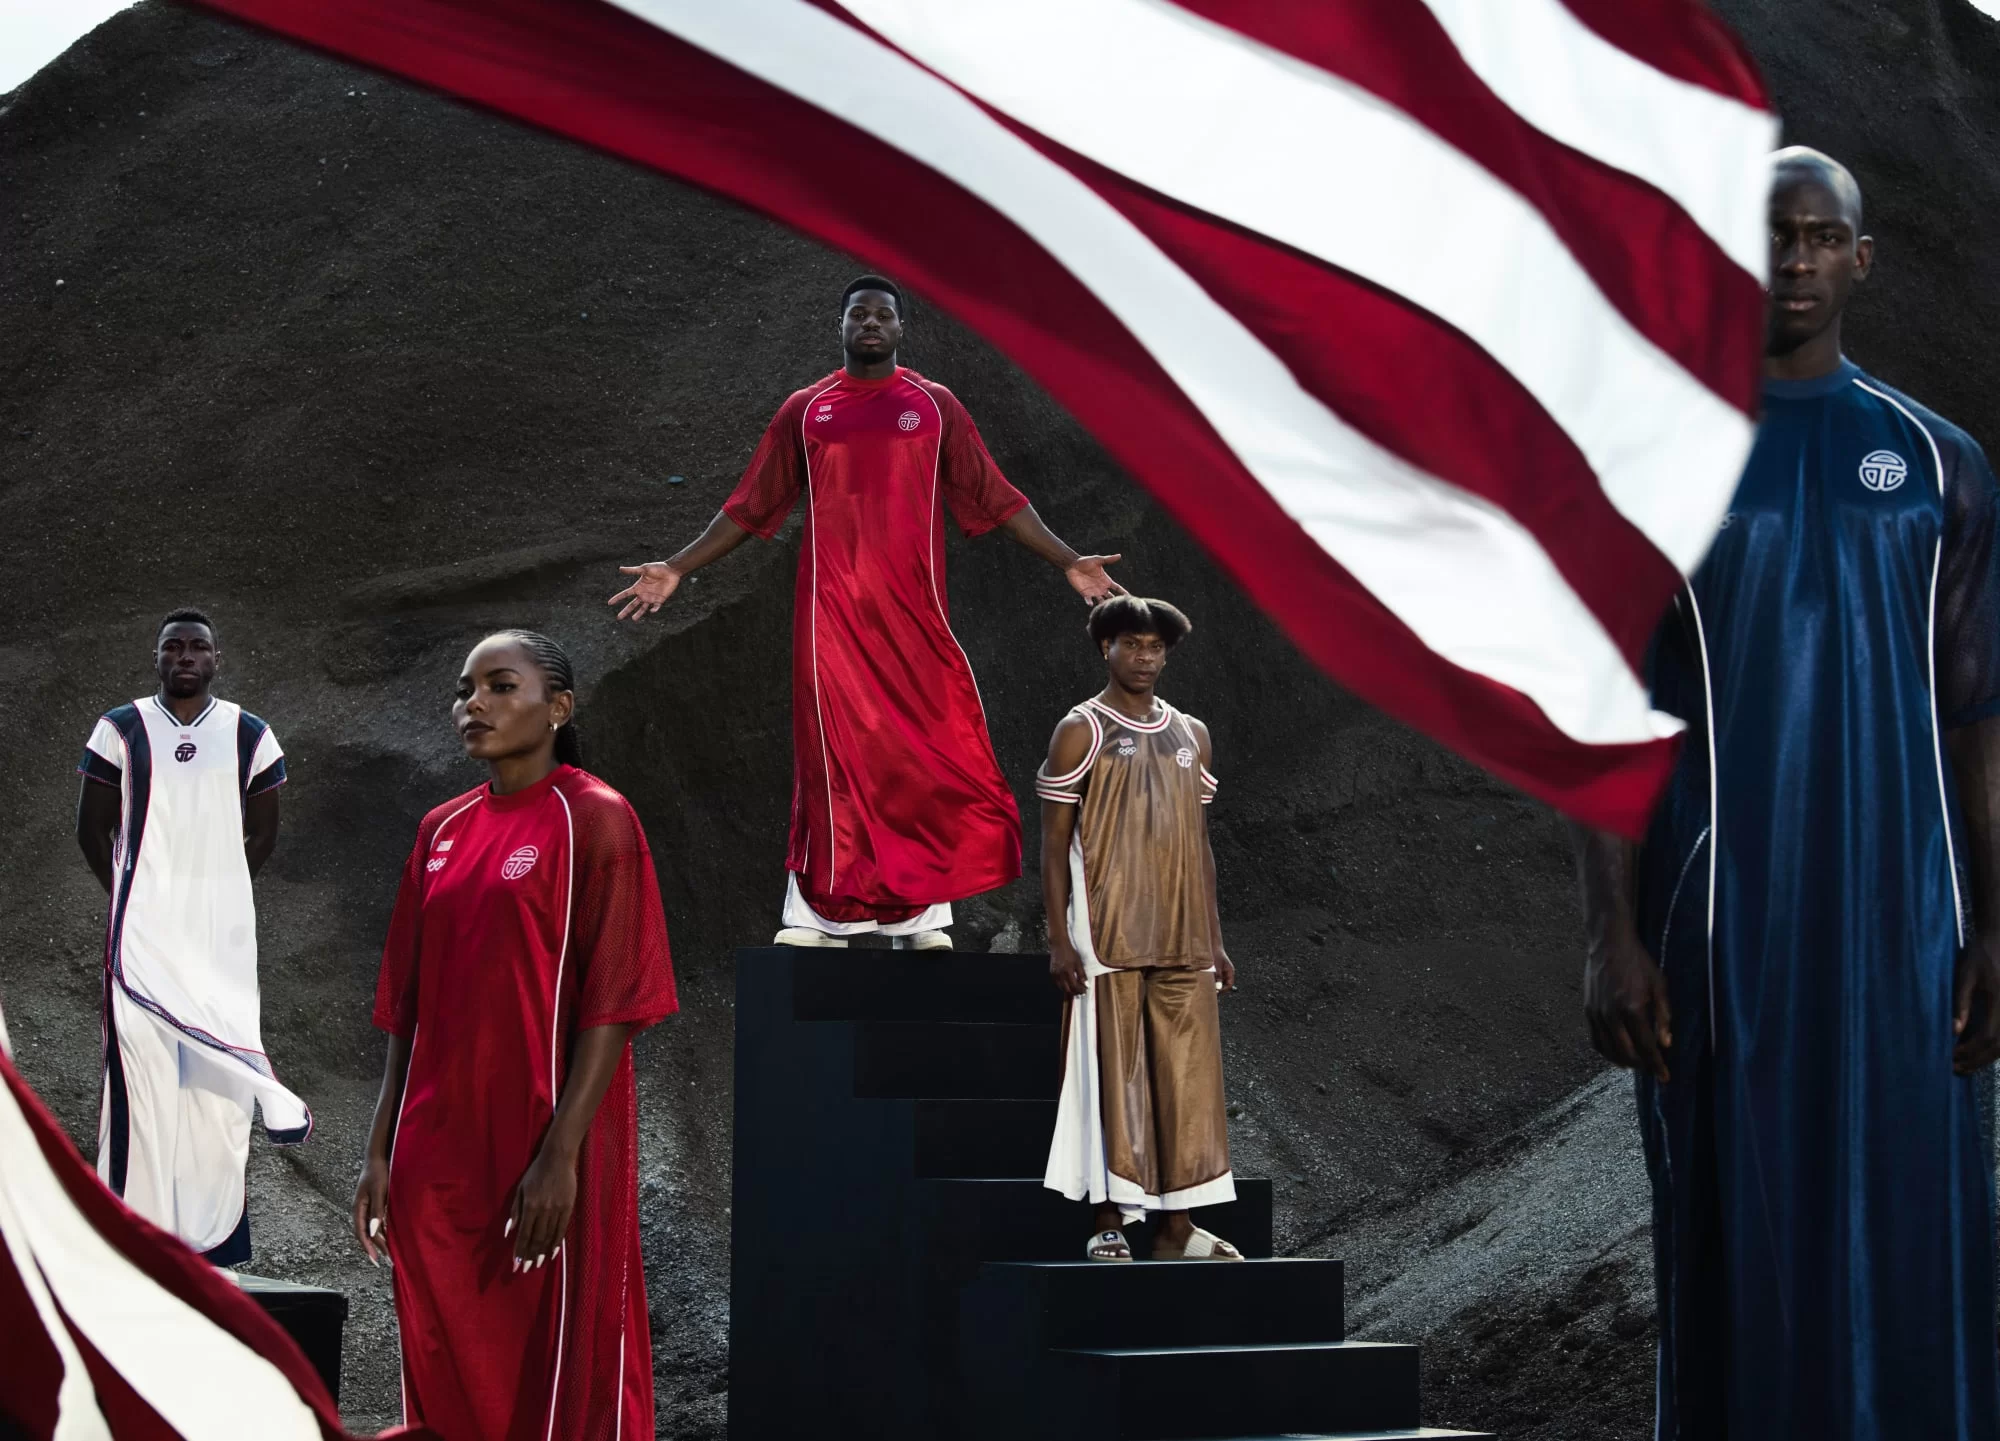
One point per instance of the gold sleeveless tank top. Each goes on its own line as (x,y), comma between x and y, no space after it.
(1139,834)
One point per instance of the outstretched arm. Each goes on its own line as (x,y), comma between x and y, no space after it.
(547,1193)
(97,814)
(1085,572)
(659,579)
(1624,989)
(1975,762)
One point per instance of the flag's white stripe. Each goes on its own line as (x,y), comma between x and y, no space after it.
(1246,132)
(1576,87)
(1464,576)
(77,1416)
(201,1380)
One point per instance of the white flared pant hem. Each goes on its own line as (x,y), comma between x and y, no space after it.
(799,912)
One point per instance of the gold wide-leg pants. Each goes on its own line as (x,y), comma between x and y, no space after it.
(1159,1049)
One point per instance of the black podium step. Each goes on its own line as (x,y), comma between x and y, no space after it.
(919,986)
(1421,1433)
(898,1270)
(311,1315)
(967,1136)
(1207,1391)
(953,1059)
(1018,1219)
(1069,1304)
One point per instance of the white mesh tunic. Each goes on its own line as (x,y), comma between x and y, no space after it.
(184,1058)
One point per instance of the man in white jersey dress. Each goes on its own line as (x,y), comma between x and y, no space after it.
(179,809)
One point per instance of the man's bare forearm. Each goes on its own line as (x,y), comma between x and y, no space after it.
(1606,865)
(1027,528)
(1056,830)
(1975,763)
(97,817)
(722,536)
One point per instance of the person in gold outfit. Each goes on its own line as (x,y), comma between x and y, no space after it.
(1126,861)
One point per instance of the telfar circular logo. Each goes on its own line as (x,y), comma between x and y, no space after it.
(184,752)
(1883,470)
(909,420)
(519,864)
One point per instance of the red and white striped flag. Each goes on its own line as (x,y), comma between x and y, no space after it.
(1436,321)
(110,1328)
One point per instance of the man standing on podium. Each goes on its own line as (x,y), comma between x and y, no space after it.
(898,804)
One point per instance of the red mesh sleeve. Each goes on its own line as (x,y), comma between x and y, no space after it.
(396,984)
(776,476)
(978,494)
(620,934)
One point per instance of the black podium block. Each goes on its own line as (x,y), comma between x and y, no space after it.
(898,1270)
(311,1315)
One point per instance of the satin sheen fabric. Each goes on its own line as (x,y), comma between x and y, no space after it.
(522,920)
(1823,1214)
(897,799)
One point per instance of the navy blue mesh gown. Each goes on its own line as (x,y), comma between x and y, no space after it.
(1823,1209)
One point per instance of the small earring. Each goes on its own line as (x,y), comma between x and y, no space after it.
(554,726)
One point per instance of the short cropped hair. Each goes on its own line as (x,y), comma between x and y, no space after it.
(188,615)
(872,282)
(1134,615)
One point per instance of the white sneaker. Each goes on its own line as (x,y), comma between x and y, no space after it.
(921,941)
(807,936)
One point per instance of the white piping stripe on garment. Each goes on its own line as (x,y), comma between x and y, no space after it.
(402,1098)
(1678,137)
(1089,760)
(1930,641)
(1714,796)
(624,1315)
(204,1383)
(1128,83)
(1146,727)
(1465,577)
(932,543)
(555,1096)
(819,714)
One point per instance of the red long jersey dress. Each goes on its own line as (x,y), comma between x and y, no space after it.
(897,798)
(522,920)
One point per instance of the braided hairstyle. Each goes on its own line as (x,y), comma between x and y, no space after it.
(557,674)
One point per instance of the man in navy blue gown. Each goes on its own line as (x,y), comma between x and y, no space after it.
(1802,961)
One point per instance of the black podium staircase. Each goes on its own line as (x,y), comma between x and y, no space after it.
(899,1271)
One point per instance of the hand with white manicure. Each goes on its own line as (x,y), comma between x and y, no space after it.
(539,1217)
(371,1206)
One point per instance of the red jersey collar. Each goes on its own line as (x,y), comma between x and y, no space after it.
(859,383)
(527,795)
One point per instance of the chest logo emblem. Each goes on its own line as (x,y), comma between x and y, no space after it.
(909,420)
(184,752)
(519,864)
(826,413)
(1883,470)
(1127,746)
(1183,757)
(435,864)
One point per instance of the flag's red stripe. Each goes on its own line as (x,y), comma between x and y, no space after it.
(1420,390)
(168,1263)
(33,1367)
(1659,268)
(1681,38)
(598,75)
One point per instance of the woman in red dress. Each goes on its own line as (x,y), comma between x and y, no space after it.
(528,945)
